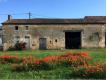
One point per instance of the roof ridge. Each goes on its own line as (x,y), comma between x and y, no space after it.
(58,21)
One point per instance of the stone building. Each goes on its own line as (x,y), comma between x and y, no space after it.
(87,32)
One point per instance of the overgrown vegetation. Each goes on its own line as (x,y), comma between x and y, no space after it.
(18,46)
(52,64)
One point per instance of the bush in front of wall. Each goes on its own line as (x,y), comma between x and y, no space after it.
(20,46)
(11,49)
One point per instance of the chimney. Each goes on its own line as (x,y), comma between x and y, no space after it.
(9,17)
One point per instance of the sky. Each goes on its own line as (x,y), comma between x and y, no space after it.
(51,8)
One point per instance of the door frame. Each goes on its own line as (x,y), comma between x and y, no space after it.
(81,32)
(45,44)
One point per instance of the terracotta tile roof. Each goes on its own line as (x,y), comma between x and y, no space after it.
(85,20)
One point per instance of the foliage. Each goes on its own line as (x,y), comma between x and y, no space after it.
(74,60)
(11,49)
(31,63)
(95,71)
(18,68)
(20,46)
(77,65)
(4,59)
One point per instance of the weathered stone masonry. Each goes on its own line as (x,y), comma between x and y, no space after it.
(92,34)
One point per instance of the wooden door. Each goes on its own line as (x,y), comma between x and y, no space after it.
(73,40)
(42,43)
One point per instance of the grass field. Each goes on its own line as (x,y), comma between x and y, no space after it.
(98,55)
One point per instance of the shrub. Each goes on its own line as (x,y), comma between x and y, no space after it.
(11,49)
(74,60)
(32,63)
(44,66)
(51,58)
(68,59)
(9,59)
(96,71)
(20,46)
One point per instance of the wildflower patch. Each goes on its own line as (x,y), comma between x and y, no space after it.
(77,62)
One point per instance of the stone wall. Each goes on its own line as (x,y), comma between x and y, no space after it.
(92,35)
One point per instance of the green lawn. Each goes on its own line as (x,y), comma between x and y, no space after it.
(98,55)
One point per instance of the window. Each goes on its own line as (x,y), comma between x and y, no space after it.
(26,36)
(50,42)
(95,36)
(26,27)
(16,27)
(55,40)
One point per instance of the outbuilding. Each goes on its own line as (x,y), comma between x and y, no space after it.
(43,33)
